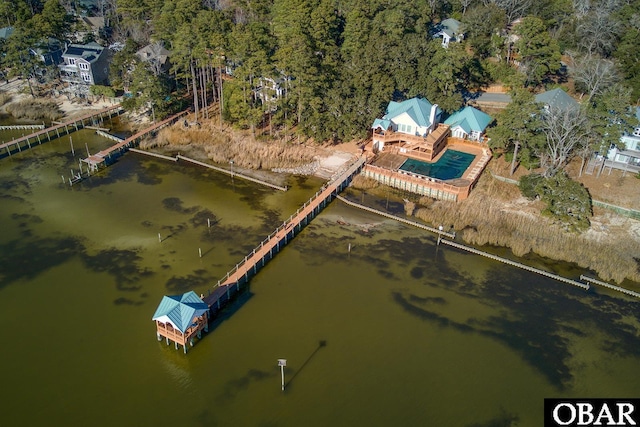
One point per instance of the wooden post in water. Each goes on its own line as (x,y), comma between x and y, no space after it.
(159,238)
(200,252)
(73,152)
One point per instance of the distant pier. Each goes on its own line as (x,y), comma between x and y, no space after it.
(52,132)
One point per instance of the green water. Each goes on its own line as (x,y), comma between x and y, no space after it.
(397,331)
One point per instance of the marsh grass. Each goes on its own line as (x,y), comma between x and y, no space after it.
(482,221)
(244,151)
(5,98)
(35,109)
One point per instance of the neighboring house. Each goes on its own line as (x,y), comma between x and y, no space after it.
(269,91)
(84,65)
(468,123)
(94,25)
(556,99)
(5,32)
(157,56)
(630,154)
(49,51)
(449,29)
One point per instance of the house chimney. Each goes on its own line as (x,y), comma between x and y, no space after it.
(432,117)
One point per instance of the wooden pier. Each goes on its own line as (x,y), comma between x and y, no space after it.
(514,263)
(273,243)
(56,130)
(107,156)
(610,286)
(397,218)
(19,127)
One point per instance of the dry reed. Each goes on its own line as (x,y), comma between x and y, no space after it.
(361,182)
(5,98)
(482,221)
(34,109)
(244,151)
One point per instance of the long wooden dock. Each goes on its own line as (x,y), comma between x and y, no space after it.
(109,154)
(275,241)
(397,218)
(26,142)
(610,286)
(514,264)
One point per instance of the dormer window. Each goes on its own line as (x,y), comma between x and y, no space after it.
(72,61)
(83,66)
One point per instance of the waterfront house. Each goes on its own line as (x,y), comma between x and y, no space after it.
(449,29)
(468,123)
(409,139)
(411,125)
(180,318)
(84,65)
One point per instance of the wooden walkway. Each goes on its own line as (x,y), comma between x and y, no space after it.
(56,130)
(610,286)
(270,246)
(101,157)
(514,263)
(397,218)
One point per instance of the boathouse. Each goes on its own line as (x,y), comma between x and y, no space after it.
(179,318)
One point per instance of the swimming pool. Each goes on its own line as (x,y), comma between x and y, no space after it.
(451,165)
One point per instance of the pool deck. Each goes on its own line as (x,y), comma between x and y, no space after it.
(454,189)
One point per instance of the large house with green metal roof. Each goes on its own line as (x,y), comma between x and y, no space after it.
(179,318)
(410,126)
(415,116)
(468,123)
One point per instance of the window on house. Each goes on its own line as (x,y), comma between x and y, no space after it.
(83,66)
(86,77)
(408,128)
(72,61)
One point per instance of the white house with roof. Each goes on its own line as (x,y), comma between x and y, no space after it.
(84,65)
(415,116)
(449,29)
(468,123)
(629,154)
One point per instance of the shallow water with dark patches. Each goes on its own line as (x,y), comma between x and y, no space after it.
(419,334)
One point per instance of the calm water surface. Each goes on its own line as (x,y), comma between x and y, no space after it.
(396,332)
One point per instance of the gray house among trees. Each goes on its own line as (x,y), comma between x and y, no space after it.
(84,66)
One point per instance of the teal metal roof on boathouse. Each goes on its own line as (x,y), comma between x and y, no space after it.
(180,310)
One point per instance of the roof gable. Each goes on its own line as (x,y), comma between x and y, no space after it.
(556,98)
(180,310)
(419,109)
(470,119)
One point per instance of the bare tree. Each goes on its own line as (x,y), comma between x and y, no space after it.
(592,71)
(566,130)
(514,9)
(581,8)
(465,5)
(597,31)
